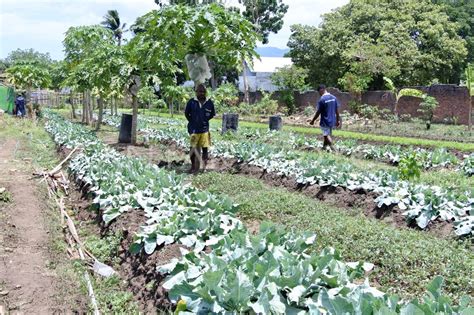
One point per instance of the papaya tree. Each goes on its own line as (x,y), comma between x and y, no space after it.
(28,74)
(196,34)
(94,62)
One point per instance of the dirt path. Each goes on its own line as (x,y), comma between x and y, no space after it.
(27,285)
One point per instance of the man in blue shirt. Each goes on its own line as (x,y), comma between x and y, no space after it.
(198,112)
(328,109)
(20,106)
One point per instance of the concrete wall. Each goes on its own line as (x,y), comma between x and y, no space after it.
(453,101)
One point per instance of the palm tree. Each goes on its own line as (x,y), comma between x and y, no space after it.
(112,22)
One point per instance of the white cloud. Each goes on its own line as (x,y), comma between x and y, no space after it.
(41,24)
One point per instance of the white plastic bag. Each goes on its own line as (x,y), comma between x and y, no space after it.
(198,68)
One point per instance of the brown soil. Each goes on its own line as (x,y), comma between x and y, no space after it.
(27,284)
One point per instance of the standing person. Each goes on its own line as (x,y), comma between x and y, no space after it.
(20,105)
(328,109)
(199,111)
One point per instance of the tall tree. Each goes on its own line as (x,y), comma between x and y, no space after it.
(28,75)
(112,22)
(94,62)
(412,41)
(265,15)
(461,12)
(28,55)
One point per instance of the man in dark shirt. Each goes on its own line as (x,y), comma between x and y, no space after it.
(198,112)
(20,106)
(328,109)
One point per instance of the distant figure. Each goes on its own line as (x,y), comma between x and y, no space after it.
(20,106)
(328,109)
(198,112)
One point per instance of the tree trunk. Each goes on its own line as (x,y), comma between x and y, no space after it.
(213,77)
(91,107)
(100,103)
(134,118)
(73,109)
(246,84)
(84,107)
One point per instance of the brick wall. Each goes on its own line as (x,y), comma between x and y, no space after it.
(453,101)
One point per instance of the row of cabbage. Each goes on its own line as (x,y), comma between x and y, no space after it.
(421,203)
(392,154)
(271,272)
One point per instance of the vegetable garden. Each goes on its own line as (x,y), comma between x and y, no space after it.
(223,266)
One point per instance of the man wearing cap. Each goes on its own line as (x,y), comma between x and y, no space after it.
(199,111)
(328,109)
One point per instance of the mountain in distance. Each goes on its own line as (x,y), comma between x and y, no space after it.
(272,51)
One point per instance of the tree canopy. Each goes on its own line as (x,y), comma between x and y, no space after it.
(413,42)
(265,15)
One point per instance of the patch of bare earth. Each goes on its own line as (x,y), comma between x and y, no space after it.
(27,284)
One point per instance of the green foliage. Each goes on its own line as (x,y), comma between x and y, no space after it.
(266,16)
(210,30)
(93,60)
(146,95)
(461,12)
(470,78)
(28,56)
(427,107)
(289,79)
(363,41)
(104,249)
(308,110)
(394,251)
(5,195)
(28,74)
(175,95)
(112,22)
(266,106)
(224,97)
(409,168)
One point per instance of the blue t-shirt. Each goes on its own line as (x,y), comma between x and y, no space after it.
(327,106)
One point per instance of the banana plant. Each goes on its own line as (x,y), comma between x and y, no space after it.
(402,92)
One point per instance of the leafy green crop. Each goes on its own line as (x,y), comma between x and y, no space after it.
(420,203)
(271,272)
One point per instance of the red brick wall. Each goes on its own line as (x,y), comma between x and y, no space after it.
(453,101)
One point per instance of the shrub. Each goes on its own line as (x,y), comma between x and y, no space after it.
(308,111)
(409,168)
(427,107)
(224,97)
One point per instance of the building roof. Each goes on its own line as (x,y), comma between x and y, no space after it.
(270,64)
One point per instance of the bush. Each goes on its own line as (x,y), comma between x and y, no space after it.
(308,111)
(224,97)
(266,106)
(427,107)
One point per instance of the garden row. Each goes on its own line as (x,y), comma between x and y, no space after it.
(273,271)
(421,203)
(392,154)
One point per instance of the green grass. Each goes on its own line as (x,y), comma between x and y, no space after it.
(406,260)
(30,137)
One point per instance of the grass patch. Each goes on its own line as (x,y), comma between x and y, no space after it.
(112,298)
(104,249)
(406,260)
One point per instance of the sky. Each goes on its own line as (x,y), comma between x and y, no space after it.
(41,24)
